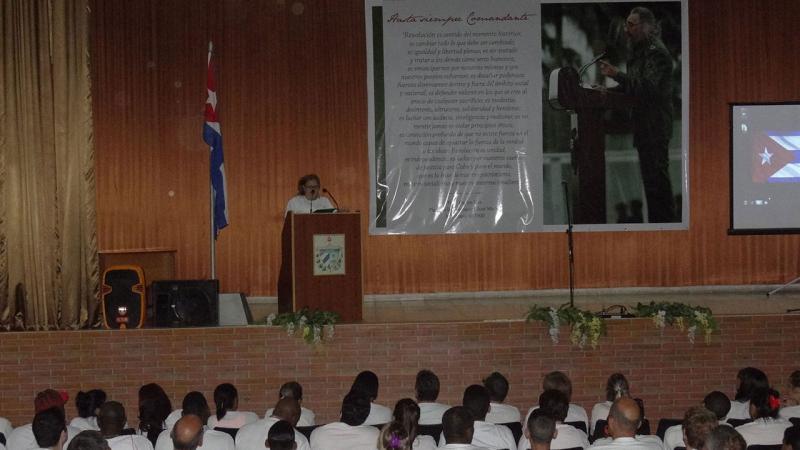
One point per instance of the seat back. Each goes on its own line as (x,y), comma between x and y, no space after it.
(579,424)
(765,447)
(231,431)
(516,429)
(663,424)
(738,422)
(433,431)
(306,431)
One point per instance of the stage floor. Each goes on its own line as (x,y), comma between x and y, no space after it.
(492,306)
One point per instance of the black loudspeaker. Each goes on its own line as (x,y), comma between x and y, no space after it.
(123,298)
(185,303)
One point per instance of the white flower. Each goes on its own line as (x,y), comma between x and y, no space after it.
(290,329)
(328,332)
(553,334)
(317,334)
(270,319)
(690,333)
(660,319)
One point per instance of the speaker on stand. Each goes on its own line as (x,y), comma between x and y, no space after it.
(123,297)
(185,303)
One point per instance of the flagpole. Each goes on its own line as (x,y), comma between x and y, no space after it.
(213,242)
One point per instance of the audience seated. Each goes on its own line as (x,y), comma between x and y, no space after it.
(791,404)
(394,437)
(698,422)
(154,407)
(282,435)
(111,420)
(540,430)
(87,404)
(791,438)
(187,433)
(366,383)
(195,403)
(253,436)
(406,416)
(50,429)
(624,417)
(725,438)
(555,404)
(88,440)
(350,433)
(560,381)
(458,430)
(766,428)
(427,391)
(497,386)
(748,379)
(22,437)
(485,434)
(294,390)
(616,387)
(226,398)
(716,402)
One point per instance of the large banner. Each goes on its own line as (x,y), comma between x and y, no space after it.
(490,116)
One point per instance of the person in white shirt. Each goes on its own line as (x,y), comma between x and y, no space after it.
(88,440)
(406,416)
(698,422)
(485,434)
(294,390)
(50,429)
(282,436)
(560,381)
(767,427)
(426,389)
(725,438)
(616,386)
(367,384)
(747,379)
(5,428)
(540,430)
(556,404)
(623,420)
(195,403)
(188,433)
(791,404)
(394,437)
(154,408)
(111,418)
(87,404)
(458,430)
(308,199)
(499,412)
(226,398)
(22,437)
(349,433)
(716,402)
(252,436)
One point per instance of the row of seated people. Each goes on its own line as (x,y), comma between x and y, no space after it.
(156,414)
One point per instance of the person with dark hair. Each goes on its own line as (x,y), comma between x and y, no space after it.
(195,404)
(394,437)
(294,390)
(426,390)
(497,386)
(555,404)
(252,436)
(715,402)
(718,403)
(87,404)
(616,386)
(539,430)
(487,435)
(458,429)
(226,398)
(22,437)
(50,429)
(747,380)
(791,438)
(791,404)
(366,383)
(111,419)
(154,407)
(350,433)
(281,436)
(624,419)
(188,433)
(560,381)
(307,199)
(406,416)
(725,438)
(88,440)
(767,427)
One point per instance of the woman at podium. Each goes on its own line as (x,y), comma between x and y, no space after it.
(308,199)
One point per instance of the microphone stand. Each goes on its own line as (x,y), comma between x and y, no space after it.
(570,249)
(326,191)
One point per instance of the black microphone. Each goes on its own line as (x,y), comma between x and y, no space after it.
(325,190)
(593,61)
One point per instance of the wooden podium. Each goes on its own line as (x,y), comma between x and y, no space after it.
(321,264)
(589,105)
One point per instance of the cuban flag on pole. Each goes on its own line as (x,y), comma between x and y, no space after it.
(213,137)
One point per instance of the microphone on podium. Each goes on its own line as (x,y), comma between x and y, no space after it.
(326,191)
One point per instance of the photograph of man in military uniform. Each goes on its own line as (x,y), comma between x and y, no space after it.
(636,50)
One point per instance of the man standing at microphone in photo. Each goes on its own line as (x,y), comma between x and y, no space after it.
(308,199)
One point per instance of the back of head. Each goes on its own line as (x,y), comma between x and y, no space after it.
(541,427)
(718,403)
(764,403)
(111,419)
(559,381)
(87,403)
(750,379)
(49,398)
(698,422)
(225,397)
(366,383)
(476,400)
(791,438)
(88,440)
(497,386)
(195,403)
(48,426)
(457,425)
(427,386)
(406,414)
(725,438)
(617,386)
(554,403)
(154,407)
(291,389)
(288,410)
(355,408)
(281,436)
(624,417)
(794,379)
(394,437)
(187,434)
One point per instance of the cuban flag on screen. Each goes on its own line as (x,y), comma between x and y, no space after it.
(776,157)
(213,137)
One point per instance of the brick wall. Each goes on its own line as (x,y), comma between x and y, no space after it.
(669,373)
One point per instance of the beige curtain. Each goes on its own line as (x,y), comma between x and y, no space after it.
(48,239)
